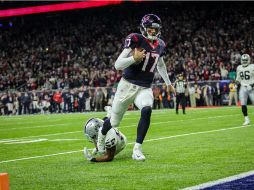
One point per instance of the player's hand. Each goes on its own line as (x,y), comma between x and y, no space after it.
(87,154)
(139,55)
(94,151)
(249,87)
(171,89)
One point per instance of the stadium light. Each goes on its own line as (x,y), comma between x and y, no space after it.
(56,7)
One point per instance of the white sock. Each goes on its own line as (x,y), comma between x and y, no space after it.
(246,118)
(137,146)
(108,115)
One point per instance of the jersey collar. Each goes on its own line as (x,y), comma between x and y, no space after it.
(153,45)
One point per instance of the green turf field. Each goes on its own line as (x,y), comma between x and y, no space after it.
(45,151)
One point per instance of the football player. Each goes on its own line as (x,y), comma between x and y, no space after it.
(142,53)
(115,141)
(245,77)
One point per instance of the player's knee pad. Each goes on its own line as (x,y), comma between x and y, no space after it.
(106,127)
(146,112)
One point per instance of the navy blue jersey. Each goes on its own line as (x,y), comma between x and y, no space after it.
(142,73)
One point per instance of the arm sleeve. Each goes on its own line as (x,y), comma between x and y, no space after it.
(238,76)
(161,67)
(123,61)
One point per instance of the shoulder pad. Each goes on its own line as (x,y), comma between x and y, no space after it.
(132,41)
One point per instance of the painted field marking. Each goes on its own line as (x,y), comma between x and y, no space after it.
(221,181)
(39,140)
(4,128)
(38,126)
(60,140)
(172,121)
(149,140)
(27,141)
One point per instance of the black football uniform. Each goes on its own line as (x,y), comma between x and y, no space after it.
(142,73)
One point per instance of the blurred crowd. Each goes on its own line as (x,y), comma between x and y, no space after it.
(75,51)
(89,99)
(59,101)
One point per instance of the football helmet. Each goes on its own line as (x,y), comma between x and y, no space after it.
(150,21)
(91,129)
(245,60)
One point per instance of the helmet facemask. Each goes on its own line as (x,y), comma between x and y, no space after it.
(245,60)
(150,22)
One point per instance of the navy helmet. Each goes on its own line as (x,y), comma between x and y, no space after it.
(150,21)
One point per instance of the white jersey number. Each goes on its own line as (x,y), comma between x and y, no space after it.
(245,75)
(155,56)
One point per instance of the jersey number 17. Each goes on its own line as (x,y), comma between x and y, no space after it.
(151,58)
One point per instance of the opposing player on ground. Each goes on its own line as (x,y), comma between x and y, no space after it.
(115,141)
(245,77)
(142,53)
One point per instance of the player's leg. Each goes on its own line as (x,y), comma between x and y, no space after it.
(230,98)
(243,95)
(123,97)
(251,95)
(183,102)
(236,98)
(144,101)
(177,102)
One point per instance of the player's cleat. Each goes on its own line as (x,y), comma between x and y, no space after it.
(138,155)
(246,122)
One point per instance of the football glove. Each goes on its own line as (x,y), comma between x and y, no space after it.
(88,155)
(94,151)
(249,87)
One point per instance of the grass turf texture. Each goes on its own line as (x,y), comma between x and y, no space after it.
(178,155)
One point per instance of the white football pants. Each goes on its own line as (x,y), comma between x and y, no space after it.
(126,94)
(243,95)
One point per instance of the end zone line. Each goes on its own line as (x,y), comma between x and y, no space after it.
(149,140)
(220,181)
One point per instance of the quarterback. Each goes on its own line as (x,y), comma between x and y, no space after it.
(245,77)
(115,141)
(142,53)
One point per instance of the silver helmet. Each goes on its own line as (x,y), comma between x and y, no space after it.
(245,60)
(91,129)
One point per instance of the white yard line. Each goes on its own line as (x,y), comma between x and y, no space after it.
(5,128)
(60,140)
(156,123)
(42,156)
(54,134)
(38,126)
(28,122)
(149,140)
(220,181)
(8,140)
(27,141)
